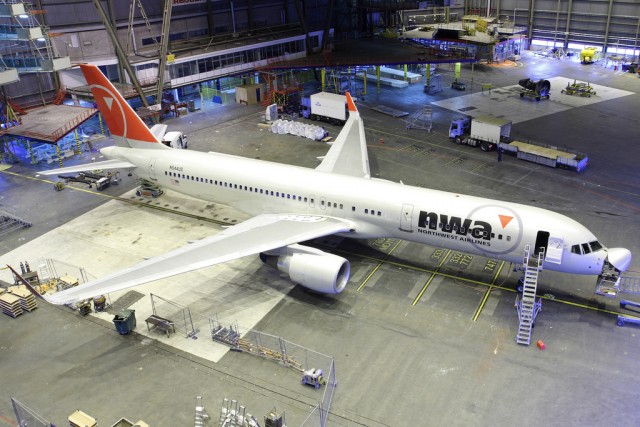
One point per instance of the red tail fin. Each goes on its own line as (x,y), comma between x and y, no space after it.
(350,103)
(121,119)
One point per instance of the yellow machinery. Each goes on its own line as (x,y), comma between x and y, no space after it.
(589,55)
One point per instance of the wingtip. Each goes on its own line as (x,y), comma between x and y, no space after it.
(350,103)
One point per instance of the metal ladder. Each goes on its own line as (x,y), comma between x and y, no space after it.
(527,306)
(10,222)
(201,414)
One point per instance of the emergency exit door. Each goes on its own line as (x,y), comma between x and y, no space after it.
(406,218)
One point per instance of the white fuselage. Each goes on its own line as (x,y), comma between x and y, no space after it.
(377,208)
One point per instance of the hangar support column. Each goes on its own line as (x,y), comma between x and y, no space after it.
(164,45)
(122,57)
(530,29)
(566,28)
(606,29)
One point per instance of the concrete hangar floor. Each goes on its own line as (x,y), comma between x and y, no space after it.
(404,356)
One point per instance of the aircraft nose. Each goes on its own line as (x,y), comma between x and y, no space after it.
(620,258)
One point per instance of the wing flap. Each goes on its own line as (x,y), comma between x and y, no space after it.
(258,234)
(107,164)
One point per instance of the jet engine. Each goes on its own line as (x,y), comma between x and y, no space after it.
(537,89)
(311,268)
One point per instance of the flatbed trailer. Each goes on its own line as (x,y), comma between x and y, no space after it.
(546,155)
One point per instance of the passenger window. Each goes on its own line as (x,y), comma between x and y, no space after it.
(321,202)
(366,211)
(508,238)
(340,205)
(353,208)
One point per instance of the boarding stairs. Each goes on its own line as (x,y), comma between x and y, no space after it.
(233,414)
(201,413)
(527,304)
(611,282)
(10,222)
(421,119)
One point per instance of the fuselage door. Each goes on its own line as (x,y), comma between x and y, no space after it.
(406,218)
(542,242)
(555,249)
(152,169)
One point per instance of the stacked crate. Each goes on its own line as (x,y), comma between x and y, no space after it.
(27,299)
(10,305)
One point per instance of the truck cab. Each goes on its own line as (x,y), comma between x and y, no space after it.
(459,127)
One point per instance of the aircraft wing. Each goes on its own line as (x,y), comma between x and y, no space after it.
(107,164)
(261,233)
(348,154)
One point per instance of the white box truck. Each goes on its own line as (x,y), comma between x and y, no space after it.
(483,131)
(328,107)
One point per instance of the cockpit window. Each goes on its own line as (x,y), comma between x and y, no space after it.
(575,249)
(585,248)
(595,245)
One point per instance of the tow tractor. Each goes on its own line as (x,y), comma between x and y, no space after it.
(313,377)
(582,89)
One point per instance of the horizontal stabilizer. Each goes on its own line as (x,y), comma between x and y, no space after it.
(107,164)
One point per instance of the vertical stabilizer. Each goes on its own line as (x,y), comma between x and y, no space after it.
(125,125)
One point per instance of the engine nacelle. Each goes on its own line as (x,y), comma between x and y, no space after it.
(320,272)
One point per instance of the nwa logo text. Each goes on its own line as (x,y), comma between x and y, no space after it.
(427,221)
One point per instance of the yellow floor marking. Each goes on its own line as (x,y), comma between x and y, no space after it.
(433,275)
(380,262)
(488,292)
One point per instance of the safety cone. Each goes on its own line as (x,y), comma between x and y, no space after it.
(540,345)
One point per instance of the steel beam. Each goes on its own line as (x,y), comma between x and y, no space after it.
(122,57)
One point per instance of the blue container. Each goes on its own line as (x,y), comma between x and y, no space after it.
(125,321)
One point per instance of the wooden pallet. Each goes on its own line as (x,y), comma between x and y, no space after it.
(10,305)
(27,300)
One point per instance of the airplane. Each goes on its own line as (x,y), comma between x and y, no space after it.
(292,204)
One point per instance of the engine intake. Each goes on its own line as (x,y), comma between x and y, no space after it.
(320,272)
